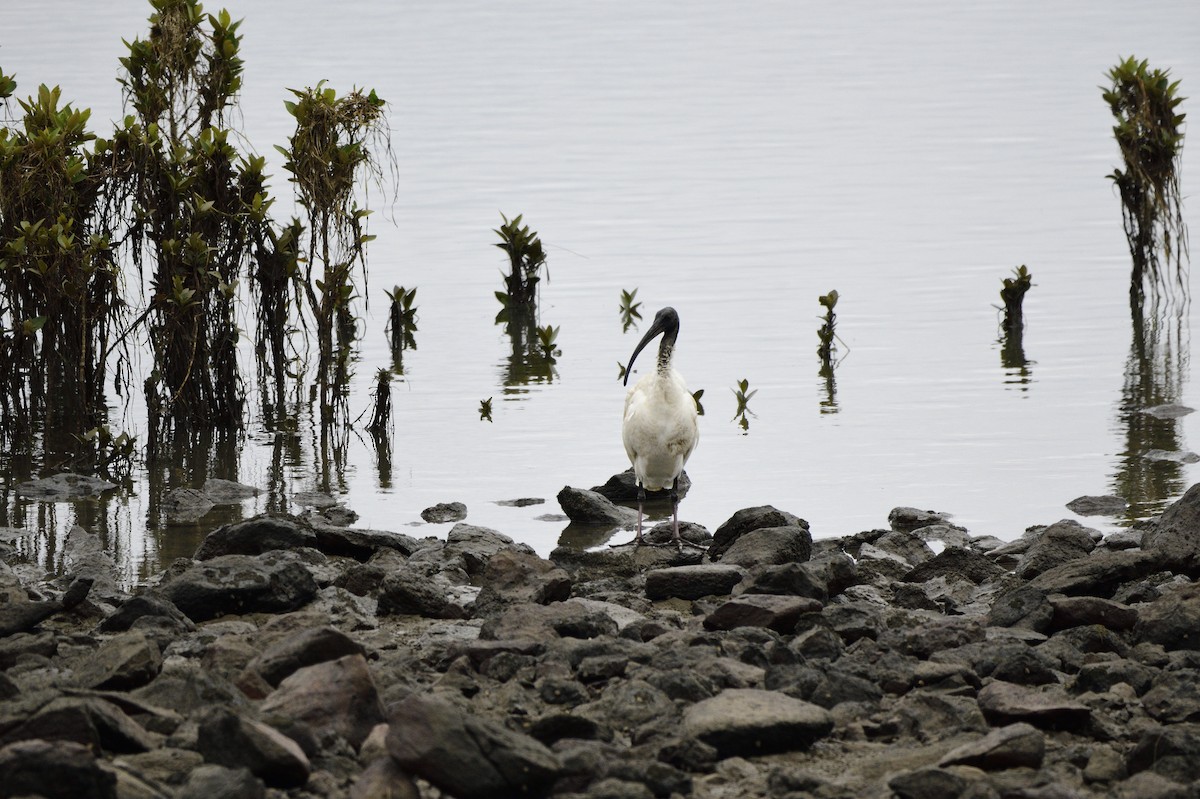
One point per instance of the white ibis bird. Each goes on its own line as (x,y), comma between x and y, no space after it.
(660,429)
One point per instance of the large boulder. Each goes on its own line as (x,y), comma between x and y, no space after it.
(747,519)
(256,536)
(1175,539)
(334,697)
(466,755)
(749,722)
(273,582)
(769,546)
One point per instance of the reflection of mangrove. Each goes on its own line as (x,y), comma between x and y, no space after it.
(524,367)
(630,315)
(402,324)
(1013,360)
(742,394)
(827,346)
(1154,375)
(829,402)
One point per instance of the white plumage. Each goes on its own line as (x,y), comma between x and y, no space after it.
(660,429)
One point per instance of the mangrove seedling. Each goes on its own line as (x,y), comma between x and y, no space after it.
(526,257)
(1013,295)
(485,410)
(547,338)
(402,319)
(1149,133)
(629,310)
(826,332)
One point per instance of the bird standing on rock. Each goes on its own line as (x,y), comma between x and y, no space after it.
(660,429)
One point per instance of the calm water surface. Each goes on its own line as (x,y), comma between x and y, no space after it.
(736,162)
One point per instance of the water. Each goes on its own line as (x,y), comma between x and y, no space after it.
(736,162)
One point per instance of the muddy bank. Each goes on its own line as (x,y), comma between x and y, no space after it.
(295,657)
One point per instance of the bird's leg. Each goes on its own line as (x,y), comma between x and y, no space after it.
(641,499)
(675,515)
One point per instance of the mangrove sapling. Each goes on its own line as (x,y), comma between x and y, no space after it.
(526,257)
(336,146)
(59,283)
(547,343)
(402,322)
(1149,134)
(1013,295)
(826,333)
(485,410)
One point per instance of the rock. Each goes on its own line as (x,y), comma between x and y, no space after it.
(186,688)
(796,579)
(233,741)
(1174,697)
(909,519)
(334,697)
(590,507)
(1099,574)
(750,722)
(778,613)
(362,544)
(1172,752)
(749,519)
(622,487)
(122,663)
(276,581)
(304,648)
(384,779)
(256,536)
(1171,410)
(16,617)
(87,559)
(63,487)
(210,780)
(692,582)
(186,505)
(228,492)
(1175,539)
(408,592)
(476,546)
(466,755)
(54,770)
(767,546)
(149,604)
(1014,746)
(513,577)
(955,562)
(1107,505)
(568,619)
(1173,621)
(90,721)
(1101,676)
(928,783)
(1084,610)
(1005,703)
(445,512)
(1059,543)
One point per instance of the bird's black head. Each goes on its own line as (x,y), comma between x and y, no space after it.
(666,322)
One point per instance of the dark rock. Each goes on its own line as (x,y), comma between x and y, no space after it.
(928,783)
(818,643)
(850,620)
(1059,543)
(795,579)
(335,697)
(749,519)
(304,648)
(410,593)
(557,726)
(231,740)
(466,755)
(228,492)
(361,544)
(188,688)
(692,582)
(64,486)
(1025,666)
(256,536)
(17,617)
(1172,752)
(1014,746)
(954,562)
(1174,697)
(273,582)
(1005,703)
(150,603)
(122,663)
(929,715)
(766,546)
(1107,505)
(476,545)
(1102,676)
(909,519)
(1175,539)
(210,780)
(751,722)
(623,487)
(1024,607)
(512,577)
(90,721)
(54,770)
(445,512)
(570,619)
(1083,610)
(778,613)
(590,507)
(1172,621)
(626,705)
(185,505)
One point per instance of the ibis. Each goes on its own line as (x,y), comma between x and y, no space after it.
(660,430)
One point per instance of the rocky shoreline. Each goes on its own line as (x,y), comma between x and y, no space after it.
(297,658)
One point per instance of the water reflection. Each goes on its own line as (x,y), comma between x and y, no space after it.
(1154,376)
(1016,366)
